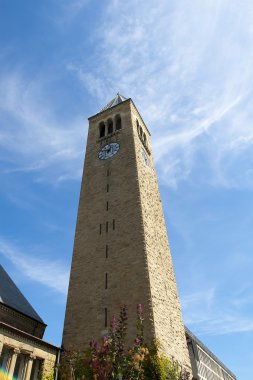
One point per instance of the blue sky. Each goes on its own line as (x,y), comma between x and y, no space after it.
(188,67)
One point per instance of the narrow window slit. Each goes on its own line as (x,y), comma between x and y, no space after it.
(107,188)
(113,224)
(106,226)
(100,229)
(106,251)
(105,316)
(106,281)
(107,206)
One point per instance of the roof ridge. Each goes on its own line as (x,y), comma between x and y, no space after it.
(11,296)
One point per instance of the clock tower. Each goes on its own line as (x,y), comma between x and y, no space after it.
(121,252)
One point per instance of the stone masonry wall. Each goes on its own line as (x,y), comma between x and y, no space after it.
(138,262)
(169,328)
(38,350)
(125,264)
(21,322)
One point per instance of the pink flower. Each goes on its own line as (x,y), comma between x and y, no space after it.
(137,341)
(139,310)
(114,324)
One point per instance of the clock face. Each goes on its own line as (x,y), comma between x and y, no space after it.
(145,157)
(108,151)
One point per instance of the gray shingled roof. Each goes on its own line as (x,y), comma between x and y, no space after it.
(114,102)
(11,296)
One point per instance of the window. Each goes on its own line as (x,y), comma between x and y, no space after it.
(108,172)
(106,251)
(141,131)
(118,122)
(105,316)
(100,229)
(107,206)
(110,126)
(36,369)
(107,188)
(106,281)
(20,366)
(5,357)
(144,138)
(102,129)
(113,224)
(106,227)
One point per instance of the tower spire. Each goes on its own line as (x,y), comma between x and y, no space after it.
(115,101)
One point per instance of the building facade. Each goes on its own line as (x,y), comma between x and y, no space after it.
(121,251)
(24,355)
(205,365)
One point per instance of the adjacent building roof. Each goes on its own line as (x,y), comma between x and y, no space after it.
(11,296)
(114,102)
(204,348)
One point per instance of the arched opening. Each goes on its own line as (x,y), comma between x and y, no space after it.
(118,122)
(102,129)
(110,126)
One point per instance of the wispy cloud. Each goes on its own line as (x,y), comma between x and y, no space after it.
(188,71)
(208,312)
(190,74)
(49,273)
(75,5)
(32,137)
(67,11)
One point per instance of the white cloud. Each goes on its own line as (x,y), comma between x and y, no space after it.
(32,137)
(188,66)
(51,274)
(207,312)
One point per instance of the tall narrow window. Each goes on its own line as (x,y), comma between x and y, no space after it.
(100,229)
(107,206)
(144,138)
(109,126)
(106,317)
(138,126)
(118,122)
(106,251)
(113,224)
(106,280)
(106,227)
(102,129)
(108,172)
(107,188)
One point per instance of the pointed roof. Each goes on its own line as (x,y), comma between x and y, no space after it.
(11,296)
(114,102)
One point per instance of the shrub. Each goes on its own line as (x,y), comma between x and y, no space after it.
(111,360)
